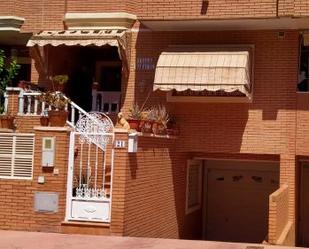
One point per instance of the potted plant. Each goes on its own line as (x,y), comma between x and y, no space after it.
(162,118)
(149,118)
(8,71)
(61,81)
(58,102)
(44,120)
(7,121)
(134,117)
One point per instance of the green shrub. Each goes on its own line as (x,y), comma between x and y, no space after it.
(8,71)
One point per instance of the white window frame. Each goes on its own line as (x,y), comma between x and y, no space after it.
(198,206)
(14,156)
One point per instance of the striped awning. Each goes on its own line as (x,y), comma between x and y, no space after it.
(227,71)
(110,37)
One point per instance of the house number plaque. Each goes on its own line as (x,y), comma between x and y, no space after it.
(120,144)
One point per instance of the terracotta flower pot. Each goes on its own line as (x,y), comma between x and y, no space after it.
(134,124)
(7,122)
(57,118)
(158,128)
(147,126)
(44,121)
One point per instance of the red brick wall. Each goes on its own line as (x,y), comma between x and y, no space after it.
(155,192)
(17,196)
(266,126)
(216,9)
(302,124)
(96,6)
(231,128)
(48,15)
(26,123)
(12,102)
(278,213)
(118,187)
(44,15)
(12,8)
(286,7)
(301,8)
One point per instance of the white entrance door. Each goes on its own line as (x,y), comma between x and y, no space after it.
(237,204)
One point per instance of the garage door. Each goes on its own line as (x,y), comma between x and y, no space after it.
(237,204)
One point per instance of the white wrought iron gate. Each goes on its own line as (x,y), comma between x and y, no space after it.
(90,169)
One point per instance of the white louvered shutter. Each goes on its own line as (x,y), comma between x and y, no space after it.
(16,156)
(6,155)
(23,156)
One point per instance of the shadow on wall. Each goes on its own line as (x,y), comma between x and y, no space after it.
(156,192)
(40,71)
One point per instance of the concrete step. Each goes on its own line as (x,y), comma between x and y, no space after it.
(81,227)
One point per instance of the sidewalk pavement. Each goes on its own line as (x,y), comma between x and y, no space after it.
(37,240)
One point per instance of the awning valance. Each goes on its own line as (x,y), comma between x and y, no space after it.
(110,37)
(226,71)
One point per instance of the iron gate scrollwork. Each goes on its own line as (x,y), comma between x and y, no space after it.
(90,169)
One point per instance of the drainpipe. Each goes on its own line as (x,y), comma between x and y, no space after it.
(277,8)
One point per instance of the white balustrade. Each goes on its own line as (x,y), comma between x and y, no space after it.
(29,105)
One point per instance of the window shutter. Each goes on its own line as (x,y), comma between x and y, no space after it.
(23,167)
(16,156)
(6,155)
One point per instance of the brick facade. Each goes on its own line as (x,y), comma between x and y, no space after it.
(17,205)
(44,15)
(273,127)
(278,214)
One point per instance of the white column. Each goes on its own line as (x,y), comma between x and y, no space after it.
(6,102)
(21,102)
(70,177)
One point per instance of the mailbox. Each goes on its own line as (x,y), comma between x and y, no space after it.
(132,143)
(48,151)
